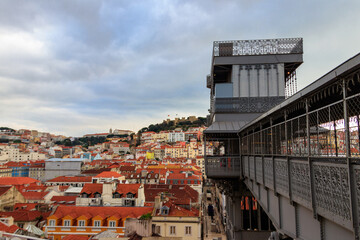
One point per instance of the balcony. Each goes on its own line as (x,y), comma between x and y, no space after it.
(244,104)
(223,167)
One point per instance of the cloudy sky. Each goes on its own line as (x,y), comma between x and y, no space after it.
(74,67)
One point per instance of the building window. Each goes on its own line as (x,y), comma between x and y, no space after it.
(188,230)
(157,229)
(129,203)
(172,230)
(164,210)
(112,223)
(117,195)
(66,222)
(52,223)
(81,223)
(97,223)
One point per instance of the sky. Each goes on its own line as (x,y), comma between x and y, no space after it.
(73,67)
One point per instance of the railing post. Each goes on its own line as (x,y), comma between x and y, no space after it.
(272,155)
(240,155)
(311,172)
(287,155)
(205,156)
(254,155)
(350,171)
(262,154)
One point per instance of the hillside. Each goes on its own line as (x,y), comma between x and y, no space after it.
(172,124)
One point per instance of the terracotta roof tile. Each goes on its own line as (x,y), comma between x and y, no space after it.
(75,237)
(177,211)
(67,200)
(71,179)
(8,229)
(4,189)
(128,188)
(34,195)
(108,174)
(92,188)
(17,180)
(24,216)
(122,212)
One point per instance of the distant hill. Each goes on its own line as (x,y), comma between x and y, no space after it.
(6,129)
(183,123)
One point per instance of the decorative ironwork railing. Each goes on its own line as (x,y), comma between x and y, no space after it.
(309,151)
(227,166)
(258,47)
(246,104)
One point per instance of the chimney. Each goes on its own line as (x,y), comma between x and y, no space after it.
(141,196)
(107,192)
(157,204)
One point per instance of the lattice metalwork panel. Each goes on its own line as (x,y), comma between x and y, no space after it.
(246,104)
(324,137)
(257,143)
(300,182)
(244,145)
(357,180)
(313,122)
(281,176)
(277,139)
(353,106)
(258,47)
(245,160)
(259,175)
(338,132)
(252,165)
(332,195)
(268,143)
(268,171)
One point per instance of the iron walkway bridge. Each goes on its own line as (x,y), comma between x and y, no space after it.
(301,159)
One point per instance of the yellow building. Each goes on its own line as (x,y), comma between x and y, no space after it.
(150,155)
(5,172)
(89,221)
(176,152)
(171,220)
(9,195)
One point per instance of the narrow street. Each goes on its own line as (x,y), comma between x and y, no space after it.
(212,229)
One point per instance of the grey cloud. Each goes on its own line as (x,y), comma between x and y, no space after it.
(86,66)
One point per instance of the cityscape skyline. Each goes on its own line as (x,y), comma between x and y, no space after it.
(71,69)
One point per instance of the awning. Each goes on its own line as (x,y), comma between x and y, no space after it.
(225,127)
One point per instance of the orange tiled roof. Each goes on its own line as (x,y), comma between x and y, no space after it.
(34,195)
(121,212)
(71,179)
(75,237)
(25,206)
(4,189)
(24,216)
(64,199)
(177,211)
(128,188)
(176,191)
(17,180)
(108,174)
(92,188)
(8,229)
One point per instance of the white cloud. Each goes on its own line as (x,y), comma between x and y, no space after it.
(73,68)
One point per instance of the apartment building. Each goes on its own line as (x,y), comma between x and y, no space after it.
(89,221)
